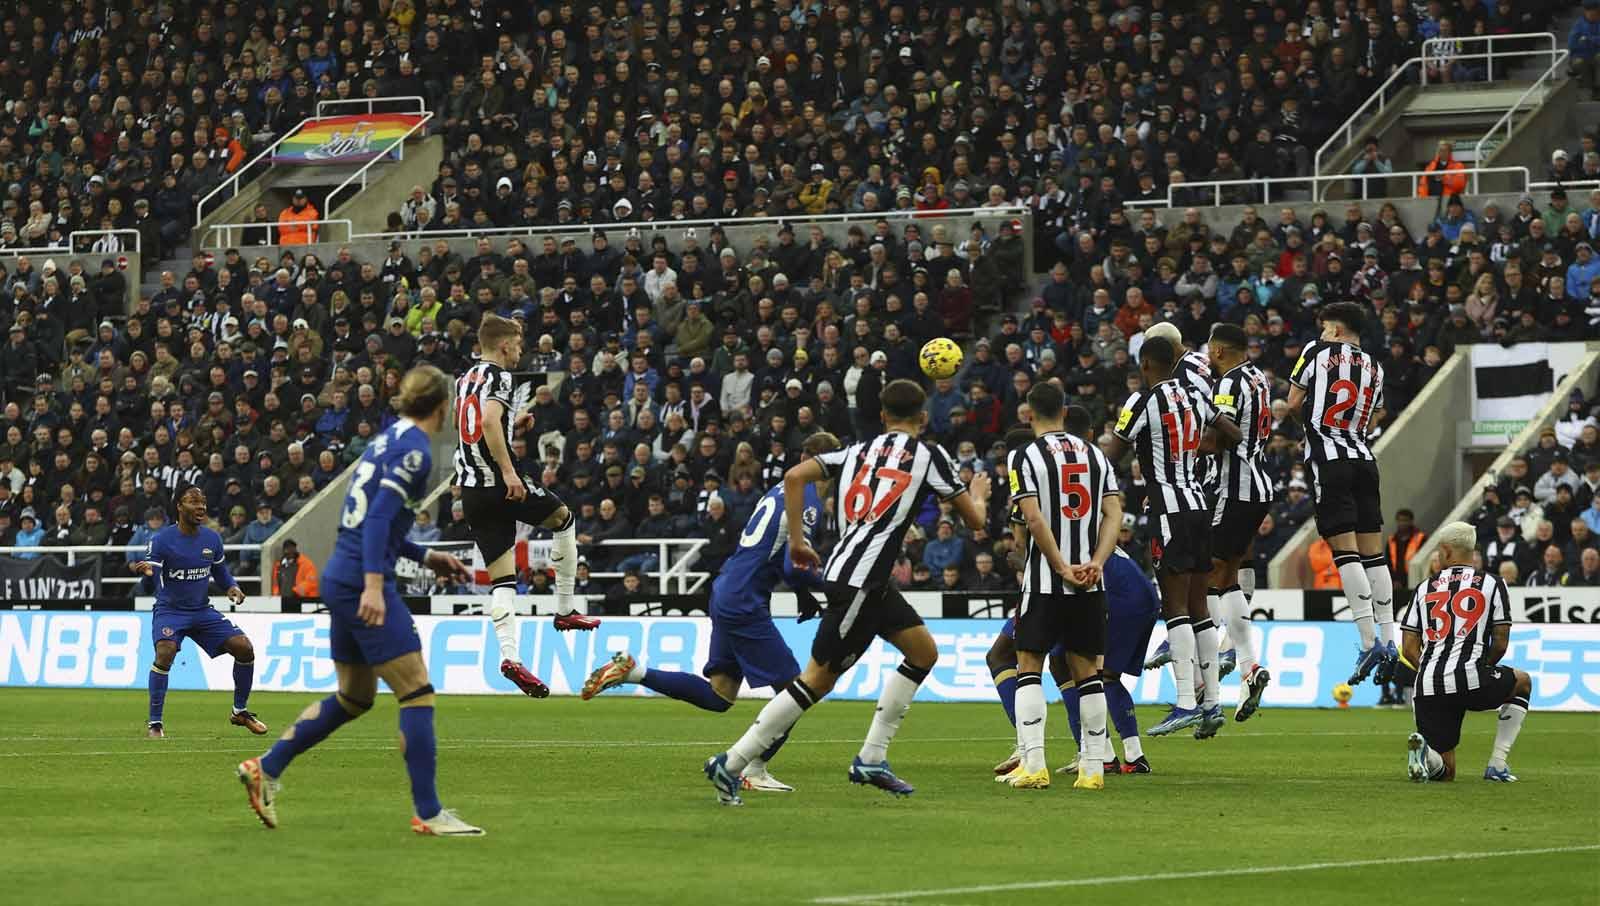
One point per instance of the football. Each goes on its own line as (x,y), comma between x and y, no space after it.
(1342,693)
(940,357)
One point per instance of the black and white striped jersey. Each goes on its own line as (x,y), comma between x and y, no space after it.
(1245,396)
(1163,424)
(1455,612)
(1344,387)
(485,381)
(882,483)
(1069,477)
(1195,370)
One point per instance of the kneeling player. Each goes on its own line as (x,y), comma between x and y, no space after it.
(372,635)
(1068,497)
(1456,630)
(495,498)
(185,558)
(745,645)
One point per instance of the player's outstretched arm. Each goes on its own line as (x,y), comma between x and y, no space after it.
(974,505)
(794,505)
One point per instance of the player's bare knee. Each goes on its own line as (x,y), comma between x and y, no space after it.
(1001,654)
(727,689)
(166,653)
(559,518)
(405,675)
(1524,686)
(818,678)
(239,646)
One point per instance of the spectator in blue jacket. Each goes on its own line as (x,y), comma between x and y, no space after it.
(29,534)
(945,549)
(1582,271)
(1454,218)
(1584,44)
(265,526)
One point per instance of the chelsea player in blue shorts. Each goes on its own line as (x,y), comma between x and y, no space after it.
(183,559)
(745,645)
(372,635)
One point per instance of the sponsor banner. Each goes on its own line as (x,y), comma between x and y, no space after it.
(346,139)
(47,578)
(114,650)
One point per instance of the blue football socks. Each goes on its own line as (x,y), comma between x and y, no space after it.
(685,687)
(416,726)
(158,693)
(244,676)
(306,732)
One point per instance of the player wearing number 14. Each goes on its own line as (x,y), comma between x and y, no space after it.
(1338,389)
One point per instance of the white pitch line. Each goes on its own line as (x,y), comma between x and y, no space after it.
(876,899)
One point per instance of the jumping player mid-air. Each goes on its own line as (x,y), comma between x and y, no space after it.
(372,635)
(184,558)
(882,483)
(495,498)
(745,645)
(1456,629)
(1337,388)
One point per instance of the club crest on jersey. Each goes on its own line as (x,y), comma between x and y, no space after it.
(413,461)
(809,516)
(206,552)
(166,631)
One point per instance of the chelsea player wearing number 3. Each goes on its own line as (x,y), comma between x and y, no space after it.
(183,559)
(745,645)
(371,635)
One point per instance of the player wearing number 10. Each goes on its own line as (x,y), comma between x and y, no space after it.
(371,635)
(1338,389)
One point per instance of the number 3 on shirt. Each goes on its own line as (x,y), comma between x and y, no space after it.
(859,500)
(1468,606)
(356,503)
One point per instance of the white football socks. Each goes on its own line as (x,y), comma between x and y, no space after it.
(1180,638)
(502,599)
(1237,609)
(1506,730)
(893,703)
(1030,721)
(1205,649)
(1132,748)
(776,719)
(1247,583)
(564,556)
(1358,593)
(1377,569)
(1092,714)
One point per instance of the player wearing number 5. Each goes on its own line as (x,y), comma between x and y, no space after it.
(1337,388)
(371,635)
(1168,424)
(1457,628)
(882,483)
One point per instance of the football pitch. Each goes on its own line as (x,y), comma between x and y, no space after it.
(604,802)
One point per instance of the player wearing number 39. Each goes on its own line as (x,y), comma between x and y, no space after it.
(372,635)
(745,645)
(1457,628)
(882,484)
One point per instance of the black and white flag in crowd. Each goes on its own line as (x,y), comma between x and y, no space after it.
(1510,383)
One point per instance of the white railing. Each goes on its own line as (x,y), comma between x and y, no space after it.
(1545,185)
(657,226)
(397,145)
(228,231)
(235,180)
(1316,183)
(1345,135)
(369,105)
(72,243)
(1508,118)
(689,581)
(1488,53)
(129,555)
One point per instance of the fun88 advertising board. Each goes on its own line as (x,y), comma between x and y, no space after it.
(114,650)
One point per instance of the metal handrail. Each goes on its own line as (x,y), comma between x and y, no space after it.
(72,552)
(1348,130)
(1488,53)
(1545,185)
(659,226)
(228,229)
(72,242)
(234,179)
(395,144)
(1217,186)
(422,104)
(1505,119)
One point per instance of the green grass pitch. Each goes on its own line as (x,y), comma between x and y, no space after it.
(604,802)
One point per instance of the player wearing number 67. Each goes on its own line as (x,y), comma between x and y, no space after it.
(882,484)
(371,635)
(1337,388)
(1456,630)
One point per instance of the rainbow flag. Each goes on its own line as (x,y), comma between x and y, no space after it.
(345,139)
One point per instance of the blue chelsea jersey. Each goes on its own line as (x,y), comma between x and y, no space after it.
(184,567)
(390,480)
(744,586)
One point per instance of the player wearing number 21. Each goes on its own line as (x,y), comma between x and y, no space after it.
(1168,424)
(1338,390)
(882,484)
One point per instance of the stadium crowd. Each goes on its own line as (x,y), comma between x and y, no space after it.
(694,368)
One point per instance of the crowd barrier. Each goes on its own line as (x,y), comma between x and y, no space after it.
(111,650)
